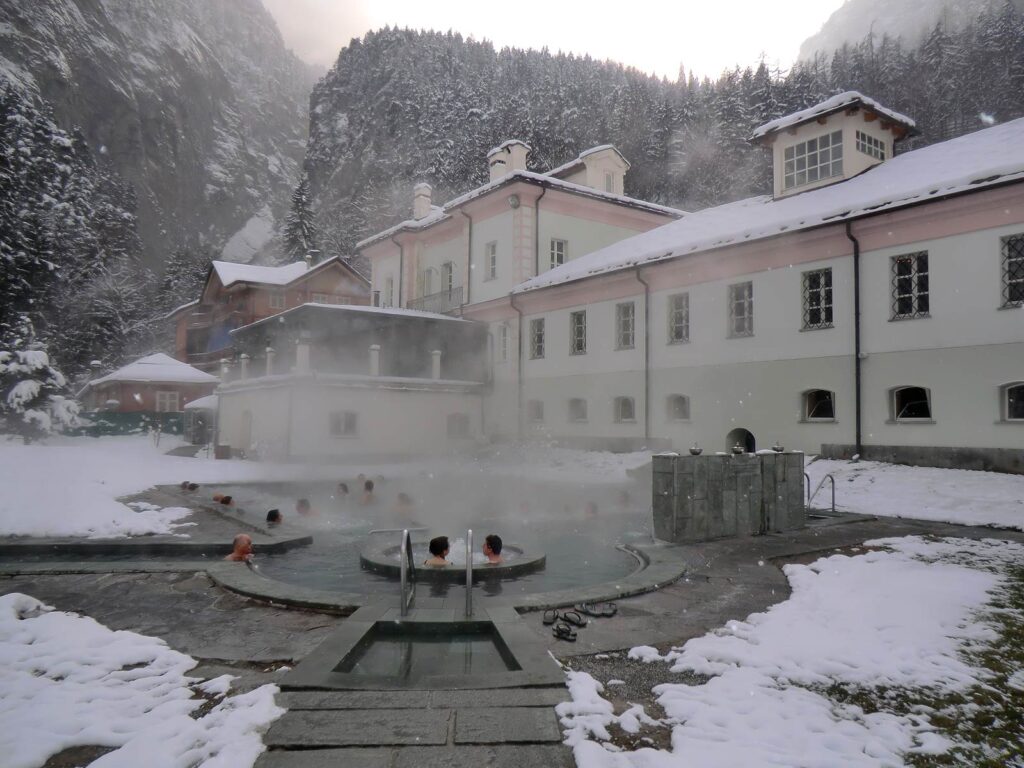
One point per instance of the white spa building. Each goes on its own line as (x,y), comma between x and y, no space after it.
(873,304)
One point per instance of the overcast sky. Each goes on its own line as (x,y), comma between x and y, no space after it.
(706,36)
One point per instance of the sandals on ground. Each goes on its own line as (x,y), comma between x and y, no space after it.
(605,610)
(550,616)
(564,632)
(574,618)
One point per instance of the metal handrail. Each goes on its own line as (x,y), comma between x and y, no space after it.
(407,570)
(396,530)
(469,572)
(810,496)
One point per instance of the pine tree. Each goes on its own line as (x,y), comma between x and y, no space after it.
(300,234)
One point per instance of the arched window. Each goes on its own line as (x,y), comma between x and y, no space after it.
(625,409)
(535,410)
(458,425)
(819,405)
(678,408)
(577,409)
(910,404)
(1013,401)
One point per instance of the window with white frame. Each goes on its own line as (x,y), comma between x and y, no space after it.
(678,408)
(609,182)
(625,317)
(447,277)
(491,260)
(679,318)
(819,405)
(814,160)
(167,402)
(625,409)
(559,252)
(503,342)
(389,292)
(871,146)
(535,410)
(909,404)
(910,286)
(537,338)
(577,409)
(276,300)
(817,290)
(578,332)
(326,298)
(344,424)
(1013,271)
(1013,401)
(741,310)
(458,425)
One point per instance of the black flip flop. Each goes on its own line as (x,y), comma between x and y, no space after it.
(550,616)
(588,609)
(573,617)
(608,609)
(564,632)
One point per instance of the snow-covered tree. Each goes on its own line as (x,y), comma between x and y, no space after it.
(300,234)
(31,401)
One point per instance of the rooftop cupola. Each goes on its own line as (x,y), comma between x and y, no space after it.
(507,157)
(832,141)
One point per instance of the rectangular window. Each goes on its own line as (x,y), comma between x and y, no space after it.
(817,299)
(625,315)
(537,338)
(503,342)
(577,409)
(578,332)
(490,261)
(276,300)
(559,252)
(625,409)
(741,310)
(869,145)
(910,286)
(609,182)
(326,298)
(1013,271)
(814,160)
(389,292)
(344,424)
(167,402)
(447,276)
(679,318)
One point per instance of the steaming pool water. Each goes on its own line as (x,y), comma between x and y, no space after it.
(580,542)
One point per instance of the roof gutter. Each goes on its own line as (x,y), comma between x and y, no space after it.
(856,338)
(647,354)
(536,231)
(469,257)
(519,366)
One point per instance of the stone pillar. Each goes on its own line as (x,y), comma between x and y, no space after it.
(225,369)
(435,364)
(270,361)
(375,359)
(244,366)
(302,356)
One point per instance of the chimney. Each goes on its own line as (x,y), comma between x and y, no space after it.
(309,260)
(507,157)
(421,201)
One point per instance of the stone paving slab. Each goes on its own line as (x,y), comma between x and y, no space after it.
(513,697)
(354,728)
(503,725)
(521,756)
(326,758)
(323,700)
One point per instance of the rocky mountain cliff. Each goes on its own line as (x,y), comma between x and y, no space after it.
(197,104)
(910,20)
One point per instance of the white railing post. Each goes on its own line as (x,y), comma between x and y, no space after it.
(270,361)
(435,364)
(375,359)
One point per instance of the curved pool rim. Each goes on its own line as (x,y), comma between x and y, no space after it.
(658,565)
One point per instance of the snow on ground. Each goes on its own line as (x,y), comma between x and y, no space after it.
(924,493)
(898,618)
(66,681)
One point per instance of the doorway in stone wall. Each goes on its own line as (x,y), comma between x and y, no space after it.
(742,437)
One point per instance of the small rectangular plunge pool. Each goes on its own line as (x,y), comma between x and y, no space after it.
(410,651)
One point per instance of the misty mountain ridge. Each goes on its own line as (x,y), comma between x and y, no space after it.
(910,20)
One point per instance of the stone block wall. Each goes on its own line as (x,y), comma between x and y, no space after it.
(698,498)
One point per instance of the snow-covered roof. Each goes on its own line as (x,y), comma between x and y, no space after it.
(383,311)
(506,144)
(160,368)
(208,403)
(572,164)
(543,179)
(229,272)
(834,104)
(972,162)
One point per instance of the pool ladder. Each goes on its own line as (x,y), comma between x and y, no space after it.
(407,571)
(469,572)
(810,496)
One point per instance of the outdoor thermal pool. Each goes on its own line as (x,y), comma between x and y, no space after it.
(577,531)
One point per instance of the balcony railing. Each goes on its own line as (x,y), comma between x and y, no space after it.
(442,303)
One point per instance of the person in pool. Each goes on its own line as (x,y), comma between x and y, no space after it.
(438,552)
(367,498)
(242,549)
(274,518)
(492,549)
(304,508)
